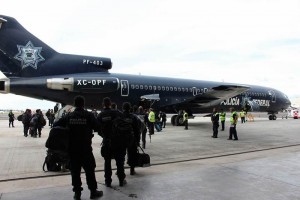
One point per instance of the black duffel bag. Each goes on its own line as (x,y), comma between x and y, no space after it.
(142,159)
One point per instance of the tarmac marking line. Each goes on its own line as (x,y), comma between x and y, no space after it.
(163,163)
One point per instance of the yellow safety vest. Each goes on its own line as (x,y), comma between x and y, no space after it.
(232,121)
(151,117)
(222,116)
(242,114)
(185,116)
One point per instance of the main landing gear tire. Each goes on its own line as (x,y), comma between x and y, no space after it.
(177,120)
(272,117)
(173,118)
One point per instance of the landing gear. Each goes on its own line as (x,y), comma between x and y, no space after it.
(173,118)
(177,120)
(272,117)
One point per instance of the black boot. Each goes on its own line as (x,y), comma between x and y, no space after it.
(122,183)
(96,194)
(132,171)
(77,196)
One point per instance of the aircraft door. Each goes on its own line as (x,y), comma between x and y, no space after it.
(273,96)
(124,88)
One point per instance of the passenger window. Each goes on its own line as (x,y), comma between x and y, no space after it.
(175,89)
(171,88)
(159,88)
(163,88)
(150,87)
(154,87)
(167,88)
(146,87)
(179,89)
(132,86)
(141,87)
(137,87)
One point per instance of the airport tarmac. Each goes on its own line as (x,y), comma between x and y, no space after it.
(186,164)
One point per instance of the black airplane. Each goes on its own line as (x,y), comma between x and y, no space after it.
(33,69)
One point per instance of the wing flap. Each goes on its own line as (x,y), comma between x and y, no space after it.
(215,95)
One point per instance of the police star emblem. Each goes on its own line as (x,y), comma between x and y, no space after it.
(29,55)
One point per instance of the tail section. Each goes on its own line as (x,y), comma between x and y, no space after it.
(24,55)
(19,49)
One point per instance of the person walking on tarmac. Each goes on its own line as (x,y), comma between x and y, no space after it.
(151,118)
(185,120)
(109,150)
(35,127)
(136,128)
(233,122)
(26,121)
(11,118)
(222,118)
(81,124)
(243,115)
(215,122)
(163,117)
(144,118)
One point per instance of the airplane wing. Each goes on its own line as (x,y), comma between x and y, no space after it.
(215,95)
(154,97)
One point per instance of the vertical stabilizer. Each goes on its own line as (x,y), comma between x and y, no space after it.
(24,55)
(21,53)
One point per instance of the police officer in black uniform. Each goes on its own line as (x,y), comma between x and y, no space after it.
(136,126)
(108,150)
(81,124)
(215,122)
(26,121)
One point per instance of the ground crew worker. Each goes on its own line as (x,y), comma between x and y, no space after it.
(233,122)
(81,124)
(243,116)
(151,118)
(215,122)
(222,118)
(185,120)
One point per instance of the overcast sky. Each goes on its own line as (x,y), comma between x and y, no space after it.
(240,41)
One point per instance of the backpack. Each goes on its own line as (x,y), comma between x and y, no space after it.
(20,117)
(57,153)
(54,161)
(42,121)
(58,139)
(33,121)
(122,131)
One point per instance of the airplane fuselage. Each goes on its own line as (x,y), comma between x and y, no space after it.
(172,93)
